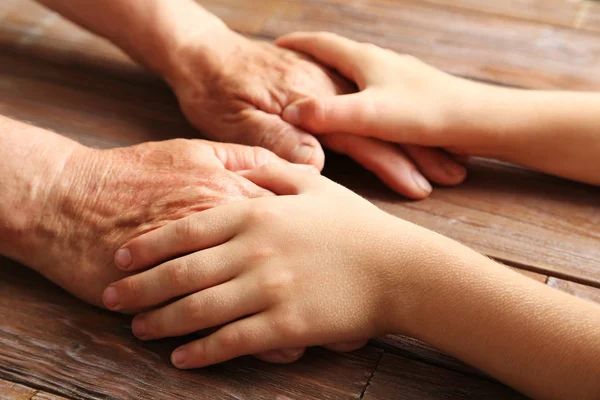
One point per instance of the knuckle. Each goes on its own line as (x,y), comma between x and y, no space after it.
(192,308)
(316,113)
(230,339)
(178,274)
(186,228)
(259,253)
(291,325)
(262,215)
(276,283)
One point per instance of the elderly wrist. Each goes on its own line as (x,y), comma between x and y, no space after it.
(44,193)
(189,48)
(202,55)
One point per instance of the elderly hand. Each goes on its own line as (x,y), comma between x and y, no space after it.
(235,89)
(105,198)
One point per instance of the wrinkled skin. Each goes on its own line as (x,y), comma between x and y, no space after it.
(105,198)
(237,94)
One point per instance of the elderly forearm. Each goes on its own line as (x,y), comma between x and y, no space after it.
(150,31)
(31,161)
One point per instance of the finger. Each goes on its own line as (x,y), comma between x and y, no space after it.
(437,165)
(175,278)
(283,356)
(353,113)
(197,232)
(237,157)
(385,160)
(330,49)
(347,347)
(252,335)
(287,141)
(211,307)
(284,180)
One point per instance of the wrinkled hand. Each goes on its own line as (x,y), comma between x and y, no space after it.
(108,197)
(235,90)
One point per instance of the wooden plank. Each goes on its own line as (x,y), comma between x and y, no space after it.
(581,291)
(14,391)
(406,347)
(481,46)
(236,13)
(533,275)
(554,12)
(47,396)
(52,341)
(398,378)
(475,45)
(29,28)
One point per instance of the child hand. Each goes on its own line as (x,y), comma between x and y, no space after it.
(401,99)
(299,270)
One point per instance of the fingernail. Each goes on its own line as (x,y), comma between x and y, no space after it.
(302,154)
(138,326)
(306,167)
(110,297)
(123,258)
(454,170)
(422,182)
(179,356)
(292,352)
(292,115)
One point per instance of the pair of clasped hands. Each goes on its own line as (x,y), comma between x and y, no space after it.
(317,264)
(272,271)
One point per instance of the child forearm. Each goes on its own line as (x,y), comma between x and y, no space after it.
(553,132)
(540,341)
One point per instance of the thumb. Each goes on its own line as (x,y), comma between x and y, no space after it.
(284,179)
(352,113)
(237,157)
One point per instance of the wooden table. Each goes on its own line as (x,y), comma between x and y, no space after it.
(57,76)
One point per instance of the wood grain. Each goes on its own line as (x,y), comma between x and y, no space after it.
(553,12)
(481,46)
(535,276)
(47,396)
(398,378)
(15,391)
(64,346)
(581,291)
(478,45)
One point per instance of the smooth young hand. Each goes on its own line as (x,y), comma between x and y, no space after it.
(401,99)
(285,272)
(405,101)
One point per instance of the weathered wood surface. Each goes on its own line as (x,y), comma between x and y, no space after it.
(15,391)
(397,378)
(57,76)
